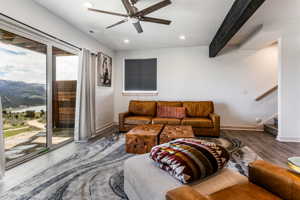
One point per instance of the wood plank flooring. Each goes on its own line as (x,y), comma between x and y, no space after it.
(266,146)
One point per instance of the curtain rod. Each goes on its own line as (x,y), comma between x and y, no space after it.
(38,30)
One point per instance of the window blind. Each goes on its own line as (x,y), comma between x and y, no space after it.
(140,74)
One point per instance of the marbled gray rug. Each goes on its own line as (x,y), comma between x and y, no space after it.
(84,175)
(96,172)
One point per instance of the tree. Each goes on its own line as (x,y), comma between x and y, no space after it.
(30,113)
(42,113)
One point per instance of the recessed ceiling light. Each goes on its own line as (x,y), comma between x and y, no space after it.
(182,37)
(88,5)
(126,41)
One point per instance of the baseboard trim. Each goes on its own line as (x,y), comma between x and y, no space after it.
(116,123)
(104,128)
(288,139)
(99,132)
(242,128)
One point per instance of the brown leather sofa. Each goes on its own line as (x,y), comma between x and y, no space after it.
(266,182)
(200,115)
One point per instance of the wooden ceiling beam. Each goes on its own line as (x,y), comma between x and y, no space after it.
(240,12)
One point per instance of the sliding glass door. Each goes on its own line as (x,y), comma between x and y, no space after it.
(38,91)
(65,67)
(23,86)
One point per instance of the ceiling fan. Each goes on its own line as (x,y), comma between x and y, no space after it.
(135,16)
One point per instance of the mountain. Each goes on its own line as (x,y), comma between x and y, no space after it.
(16,93)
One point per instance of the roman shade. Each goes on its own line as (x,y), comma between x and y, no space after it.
(140,75)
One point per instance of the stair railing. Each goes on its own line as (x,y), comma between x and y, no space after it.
(273,89)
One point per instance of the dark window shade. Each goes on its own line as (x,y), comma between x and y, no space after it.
(140,75)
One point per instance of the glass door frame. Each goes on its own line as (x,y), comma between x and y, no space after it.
(21,30)
(50,79)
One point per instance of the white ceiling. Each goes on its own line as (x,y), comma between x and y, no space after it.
(275,16)
(198,20)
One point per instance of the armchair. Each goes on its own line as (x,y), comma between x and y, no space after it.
(266,182)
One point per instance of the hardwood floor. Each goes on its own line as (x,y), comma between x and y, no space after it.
(266,146)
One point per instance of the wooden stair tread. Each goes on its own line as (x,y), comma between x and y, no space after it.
(271,129)
(271,126)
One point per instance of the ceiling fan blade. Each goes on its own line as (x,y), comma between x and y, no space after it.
(118,23)
(156,20)
(138,27)
(153,8)
(129,8)
(107,12)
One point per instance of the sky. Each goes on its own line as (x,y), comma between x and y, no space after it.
(19,64)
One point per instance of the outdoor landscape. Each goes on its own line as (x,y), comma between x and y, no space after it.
(24,117)
(20,101)
(17,94)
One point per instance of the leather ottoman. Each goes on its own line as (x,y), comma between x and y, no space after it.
(175,132)
(141,139)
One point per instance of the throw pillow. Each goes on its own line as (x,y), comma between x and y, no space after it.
(189,160)
(171,112)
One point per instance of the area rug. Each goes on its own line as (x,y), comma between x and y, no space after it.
(96,172)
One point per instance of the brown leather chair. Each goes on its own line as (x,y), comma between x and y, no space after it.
(200,115)
(266,182)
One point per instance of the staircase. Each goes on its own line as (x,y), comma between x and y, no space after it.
(271,125)
(272,128)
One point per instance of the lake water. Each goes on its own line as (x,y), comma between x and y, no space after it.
(34,108)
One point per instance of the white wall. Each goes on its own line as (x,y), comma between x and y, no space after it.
(289,88)
(232,81)
(32,14)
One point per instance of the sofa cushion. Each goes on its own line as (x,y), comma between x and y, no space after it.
(198,122)
(142,108)
(246,191)
(169,103)
(138,120)
(199,108)
(189,160)
(170,112)
(169,121)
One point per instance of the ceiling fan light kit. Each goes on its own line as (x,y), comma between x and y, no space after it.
(134,16)
(133,20)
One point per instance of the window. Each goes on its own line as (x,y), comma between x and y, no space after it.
(140,75)
(38,92)
(23,92)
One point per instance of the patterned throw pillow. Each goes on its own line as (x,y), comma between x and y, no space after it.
(171,112)
(189,160)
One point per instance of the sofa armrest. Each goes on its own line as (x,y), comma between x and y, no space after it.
(216,120)
(276,180)
(184,193)
(122,117)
